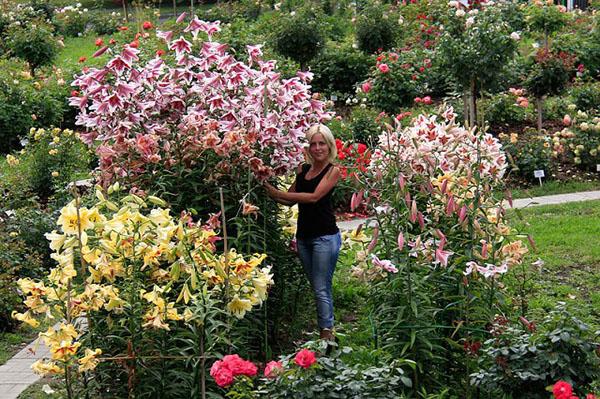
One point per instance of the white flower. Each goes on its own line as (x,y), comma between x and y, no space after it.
(515,36)
(293,13)
(277,6)
(469,22)
(363,105)
(400,21)
(582,115)
(460,13)
(355,45)
(474,12)
(453,3)
(535,45)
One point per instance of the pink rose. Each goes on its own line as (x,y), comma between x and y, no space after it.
(384,68)
(305,358)
(427,100)
(221,373)
(273,368)
(566,120)
(366,87)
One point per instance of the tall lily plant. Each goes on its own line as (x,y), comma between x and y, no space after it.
(442,245)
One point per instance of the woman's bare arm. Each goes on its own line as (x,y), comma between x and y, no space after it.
(328,182)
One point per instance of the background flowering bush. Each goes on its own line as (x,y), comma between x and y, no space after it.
(526,156)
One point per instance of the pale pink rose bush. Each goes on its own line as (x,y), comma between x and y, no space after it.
(197,101)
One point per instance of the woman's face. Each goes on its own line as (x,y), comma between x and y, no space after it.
(318,148)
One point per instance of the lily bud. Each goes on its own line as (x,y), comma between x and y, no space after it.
(400,241)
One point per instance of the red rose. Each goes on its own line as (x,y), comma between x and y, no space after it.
(82,59)
(361,148)
(305,358)
(427,100)
(147,25)
(134,44)
(418,100)
(112,41)
(422,69)
(562,390)
(123,28)
(99,42)
(160,52)
(74,93)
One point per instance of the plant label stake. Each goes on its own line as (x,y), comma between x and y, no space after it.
(539,174)
(598,167)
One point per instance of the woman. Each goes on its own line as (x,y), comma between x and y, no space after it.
(317,235)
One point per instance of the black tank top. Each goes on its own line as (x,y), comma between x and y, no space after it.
(318,219)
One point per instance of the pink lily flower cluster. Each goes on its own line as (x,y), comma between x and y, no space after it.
(435,147)
(139,114)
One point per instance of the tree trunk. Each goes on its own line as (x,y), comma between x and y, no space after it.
(125,13)
(192,7)
(174,8)
(466,108)
(539,103)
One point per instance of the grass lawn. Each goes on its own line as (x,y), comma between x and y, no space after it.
(567,237)
(556,187)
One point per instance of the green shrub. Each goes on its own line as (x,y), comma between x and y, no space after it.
(50,160)
(364,126)
(335,376)
(34,44)
(546,19)
(375,31)
(27,102)
(71,20)
(582,141)
(105,24)
(299,35)
(522,362)
(527,154)
(586,97)
(549,74)
(17,259)
(501,109)
(395,81)
(338,69)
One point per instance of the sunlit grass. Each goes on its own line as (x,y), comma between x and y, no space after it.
(567,238)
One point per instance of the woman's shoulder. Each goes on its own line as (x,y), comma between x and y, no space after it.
(303,168)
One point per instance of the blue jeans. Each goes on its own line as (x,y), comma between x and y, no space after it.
(319,256)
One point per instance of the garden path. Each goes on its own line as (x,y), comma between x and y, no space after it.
(16,375)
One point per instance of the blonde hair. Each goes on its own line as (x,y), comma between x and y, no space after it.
(329,139)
